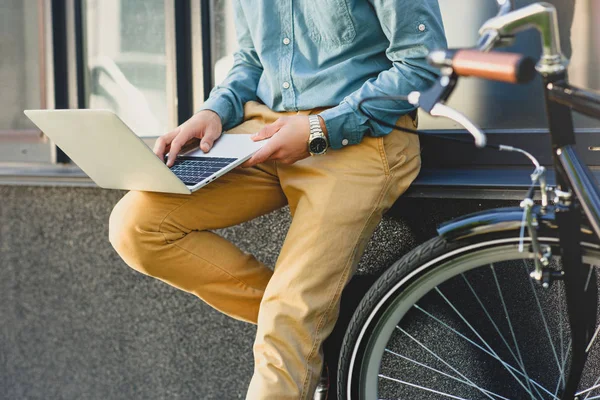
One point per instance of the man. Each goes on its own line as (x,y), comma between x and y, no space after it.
(301,69)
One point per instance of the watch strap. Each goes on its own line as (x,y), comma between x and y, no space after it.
(315,126)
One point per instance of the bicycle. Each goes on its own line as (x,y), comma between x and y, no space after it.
(453,318)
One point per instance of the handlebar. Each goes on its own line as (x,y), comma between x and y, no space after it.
(503,67)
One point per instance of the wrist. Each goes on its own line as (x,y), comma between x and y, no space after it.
(210,115)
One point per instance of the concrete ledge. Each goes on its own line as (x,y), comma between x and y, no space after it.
(78,324)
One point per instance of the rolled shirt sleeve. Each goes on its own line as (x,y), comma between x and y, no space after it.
(344,125)
(222,105)
(228,98)
(412,31)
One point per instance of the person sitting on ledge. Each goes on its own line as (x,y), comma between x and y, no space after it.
(300,71)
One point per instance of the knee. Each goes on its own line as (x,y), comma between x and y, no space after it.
(131,233)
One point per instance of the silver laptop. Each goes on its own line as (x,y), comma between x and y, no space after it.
(114,157)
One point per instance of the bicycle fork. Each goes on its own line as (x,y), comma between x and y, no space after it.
(581,290)
(580,284)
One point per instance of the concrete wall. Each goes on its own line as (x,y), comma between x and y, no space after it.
(76,323)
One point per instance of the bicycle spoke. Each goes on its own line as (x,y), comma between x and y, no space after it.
(560,327)
(528,388)
(512,331)
(587,282)
(564,362)
(511,370)
(421,387)
(442,373)
(561,370)
(598,328)
(596,386)
(490,318)
(590,392)
(593,340)
(444,362)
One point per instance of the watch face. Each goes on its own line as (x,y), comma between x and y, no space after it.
(318,145)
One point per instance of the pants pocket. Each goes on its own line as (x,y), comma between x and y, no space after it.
(399,146)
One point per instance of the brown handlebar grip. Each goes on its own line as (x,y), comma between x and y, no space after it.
(496,66)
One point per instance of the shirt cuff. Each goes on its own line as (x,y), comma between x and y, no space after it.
(222,107)
(343,126)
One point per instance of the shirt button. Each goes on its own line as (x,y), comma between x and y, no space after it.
(422,27)
(286,85)
(286,41)
(345,142)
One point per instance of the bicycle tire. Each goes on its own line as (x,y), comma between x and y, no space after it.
(446,262)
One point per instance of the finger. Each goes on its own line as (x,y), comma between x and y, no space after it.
(209,138)
(261,156)
(163,142)
(176,146)
(269,130)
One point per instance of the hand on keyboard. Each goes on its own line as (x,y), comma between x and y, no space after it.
(205,125)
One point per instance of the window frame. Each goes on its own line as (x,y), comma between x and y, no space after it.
(189,25)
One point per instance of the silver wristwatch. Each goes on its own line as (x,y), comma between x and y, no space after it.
(317,141)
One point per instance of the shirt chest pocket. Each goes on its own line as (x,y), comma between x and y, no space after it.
(329,22)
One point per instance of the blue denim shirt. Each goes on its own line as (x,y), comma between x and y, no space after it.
(303,54)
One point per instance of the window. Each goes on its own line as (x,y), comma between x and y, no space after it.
(224,41)
(154,61)
(495,105)
(20,64)
(130,64)
(22,80)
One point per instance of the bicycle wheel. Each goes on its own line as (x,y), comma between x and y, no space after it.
(464,320)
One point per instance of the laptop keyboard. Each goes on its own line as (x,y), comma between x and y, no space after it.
(192,170)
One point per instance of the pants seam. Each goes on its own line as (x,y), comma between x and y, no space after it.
(217,267)
(340,285)
(168,214)
(384,159)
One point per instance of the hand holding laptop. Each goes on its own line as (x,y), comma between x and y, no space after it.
(205,126)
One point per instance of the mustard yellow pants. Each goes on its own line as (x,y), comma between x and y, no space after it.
(336,201)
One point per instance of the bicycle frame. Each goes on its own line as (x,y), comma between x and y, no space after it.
(574,181)
(560,96)
(576,191)
(576,187)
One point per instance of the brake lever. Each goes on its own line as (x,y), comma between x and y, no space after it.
(442,110)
